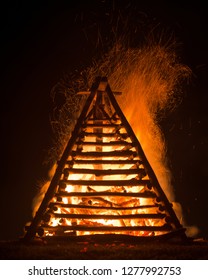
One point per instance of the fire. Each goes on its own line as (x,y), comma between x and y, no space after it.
(107,205)
(148,78)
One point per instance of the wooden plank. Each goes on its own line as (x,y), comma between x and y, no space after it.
(77,206)
(164,227)
(106,118)
(146,194)
(105,161)
(104,154)
(88,92)
(101,172)
(132,182)
(102,125)
(111,143)
(108,217)
(101,135)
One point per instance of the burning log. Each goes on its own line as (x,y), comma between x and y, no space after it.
(110,217)
(104,161)
(101,172)
(104,154)
(56,205)
(163,228)
(103,135)
(104,144)
(100,194)
(132,182)
(100,124)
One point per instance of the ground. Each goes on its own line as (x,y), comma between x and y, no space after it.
(104,250)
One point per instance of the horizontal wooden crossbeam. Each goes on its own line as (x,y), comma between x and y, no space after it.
(107,134)
(102,172)
(109,217)
(111,143)
(104,154)
(102,125)
(78,206)
(132,182)
(104,161)
(165,227)
(146,194)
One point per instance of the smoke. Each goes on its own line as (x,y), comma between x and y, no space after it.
(67,106)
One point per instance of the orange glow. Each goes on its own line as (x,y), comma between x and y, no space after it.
(118,202)
(149,79)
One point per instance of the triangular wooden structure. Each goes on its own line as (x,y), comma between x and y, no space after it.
(104,183)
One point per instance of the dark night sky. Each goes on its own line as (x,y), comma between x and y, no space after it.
(39,43)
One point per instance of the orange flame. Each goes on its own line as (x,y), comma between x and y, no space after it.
(149,78)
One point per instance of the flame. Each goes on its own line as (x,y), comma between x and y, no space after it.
(149,78)
(107,201)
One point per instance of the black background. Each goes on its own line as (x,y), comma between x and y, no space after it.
(42,41)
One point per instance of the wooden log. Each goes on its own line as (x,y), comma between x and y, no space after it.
(101,135)
(101,124)
(132,182)
(78,206)
(46,217)
(129,203)
(101,200)
(100,161)
(110,143)
(97,129)
(90,114)
(146,194)
(162,228)
(104,154)
(102,172)
(108,201)
(88,92)
(109,217)
(106,118)
(107,115)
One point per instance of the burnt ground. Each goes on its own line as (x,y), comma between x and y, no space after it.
(104,250)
